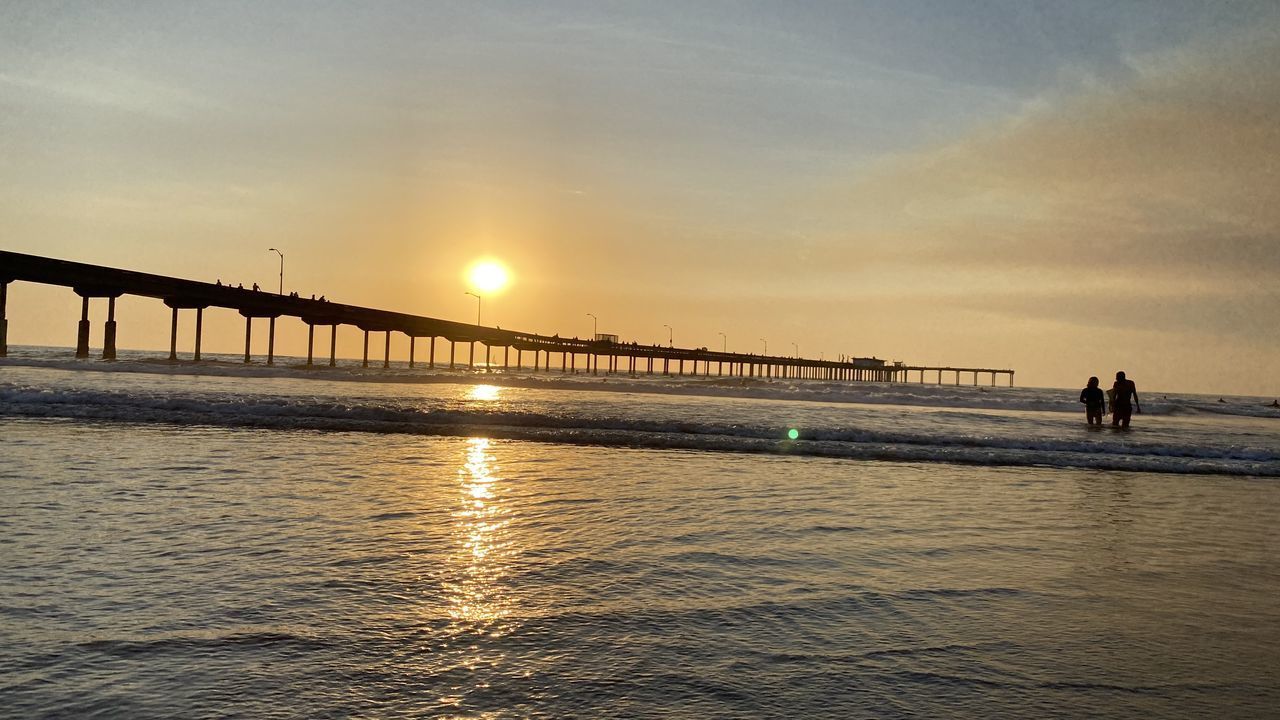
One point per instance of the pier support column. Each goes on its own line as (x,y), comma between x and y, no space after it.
(333,345)
(564,362)
(271,341)
(666,366)
(412,339)
(386,352)
(199,331)
(488,354)
(365,361)
(573,363)
(519,359)
(431,364)
(311,341)
(452,347)
(506,357)
(471,359)
(4,322)
(173,336)
(82,332)
(248,336)
(109,334)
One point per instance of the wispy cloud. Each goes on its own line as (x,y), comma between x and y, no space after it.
(97,87)
(1168,177)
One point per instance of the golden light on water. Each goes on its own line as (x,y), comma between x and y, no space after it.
(484,393)
(477,595)
(488,276)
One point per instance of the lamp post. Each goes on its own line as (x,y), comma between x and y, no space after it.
(595,325)
(796,348)
(281,268)
(477,297)
(725,344)
(766,345)
(670,334)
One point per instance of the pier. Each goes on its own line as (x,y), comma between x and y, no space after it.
(96,282)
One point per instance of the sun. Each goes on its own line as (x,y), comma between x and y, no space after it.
(488,276)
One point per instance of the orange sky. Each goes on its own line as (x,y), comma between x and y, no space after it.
(1066,192)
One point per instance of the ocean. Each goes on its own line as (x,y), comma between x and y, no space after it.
(222,540)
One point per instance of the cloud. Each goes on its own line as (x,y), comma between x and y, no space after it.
(1165,180)
(96,87)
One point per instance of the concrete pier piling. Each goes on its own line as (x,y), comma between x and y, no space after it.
(109,331)
(271,340)
(82,331)
(248,336)
(199,330)
(173,336)
(4,321)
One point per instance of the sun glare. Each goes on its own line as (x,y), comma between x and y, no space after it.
(488,276)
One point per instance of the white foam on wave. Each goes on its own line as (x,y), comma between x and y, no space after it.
(976,397)
(937,443)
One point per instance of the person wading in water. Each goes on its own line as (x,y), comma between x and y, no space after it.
(1095,403)
(1125,401)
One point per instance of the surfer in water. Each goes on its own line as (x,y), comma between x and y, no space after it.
(1095,403)
(1124,402)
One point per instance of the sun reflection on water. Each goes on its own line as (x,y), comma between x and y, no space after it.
(478,597)
(484,393)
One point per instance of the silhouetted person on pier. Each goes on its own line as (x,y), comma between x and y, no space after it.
(219,282)
(1125,401)
(240,286)
(255,287)
(1095,402)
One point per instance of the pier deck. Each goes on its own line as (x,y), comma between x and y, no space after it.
(100,282)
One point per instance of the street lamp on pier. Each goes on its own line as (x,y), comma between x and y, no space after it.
(766,345)
(670,334)
(595,325)
(724,347)
(477,297)
(281,268)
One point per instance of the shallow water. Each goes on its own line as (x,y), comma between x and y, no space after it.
(172,565)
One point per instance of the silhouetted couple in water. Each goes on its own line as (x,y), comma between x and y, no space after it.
(1123,397)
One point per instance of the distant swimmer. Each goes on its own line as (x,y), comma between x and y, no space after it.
(1095,403)
(1275,403)
(1125,401)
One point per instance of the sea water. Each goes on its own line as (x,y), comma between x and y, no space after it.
(240,541)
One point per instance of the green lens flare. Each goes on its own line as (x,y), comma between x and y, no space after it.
(793,433)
